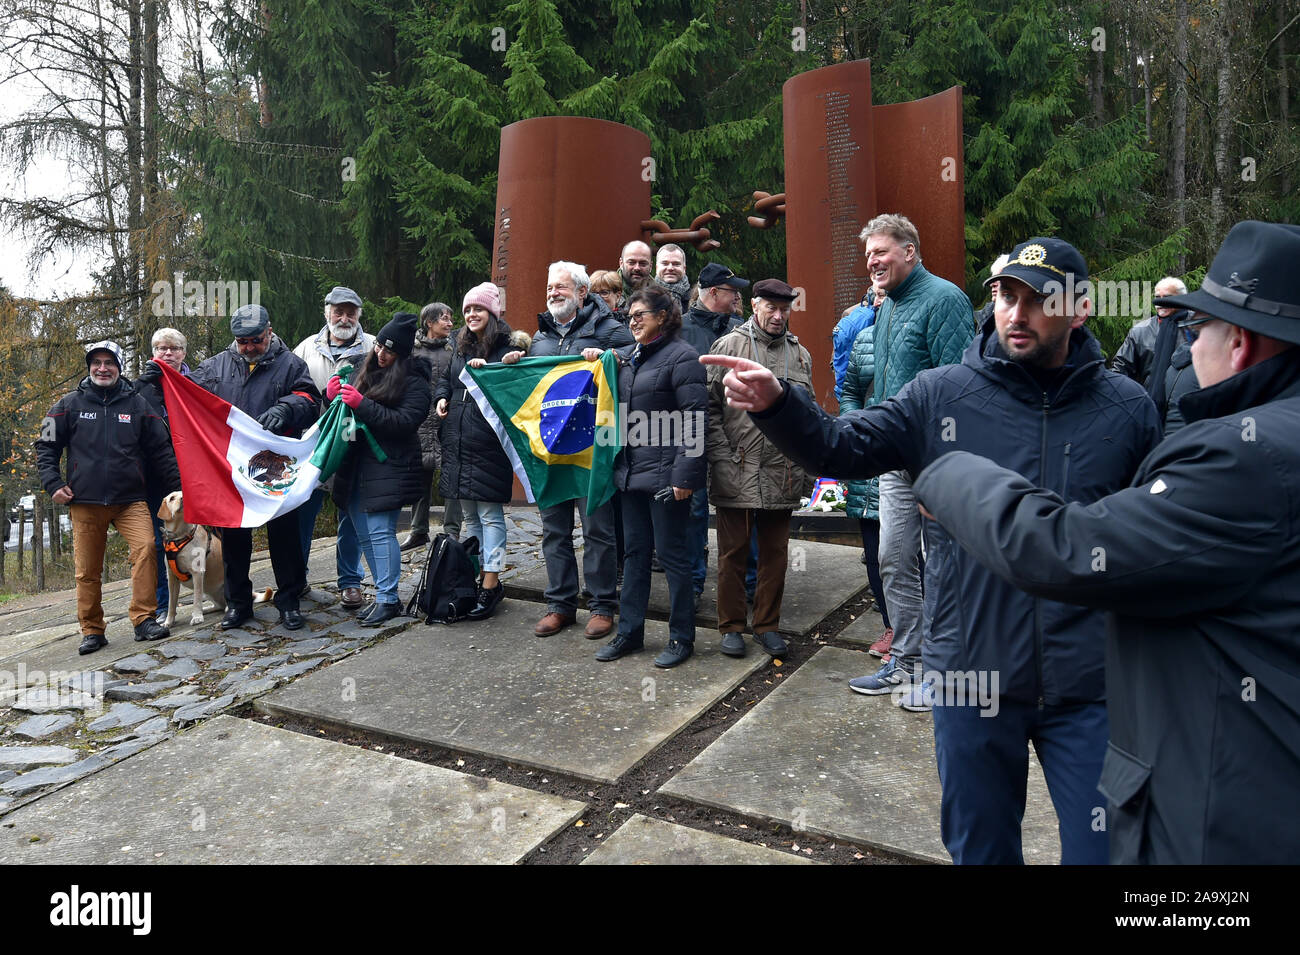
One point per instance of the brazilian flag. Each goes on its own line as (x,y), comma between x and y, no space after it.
(558,421)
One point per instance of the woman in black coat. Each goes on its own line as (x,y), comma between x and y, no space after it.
(475,469)
(661,388)
(390,397)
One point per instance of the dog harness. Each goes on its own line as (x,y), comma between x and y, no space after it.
(171,549)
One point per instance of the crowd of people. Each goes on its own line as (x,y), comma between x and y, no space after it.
(989,581)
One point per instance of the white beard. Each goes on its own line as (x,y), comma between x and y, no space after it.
(334,331)
(564,313)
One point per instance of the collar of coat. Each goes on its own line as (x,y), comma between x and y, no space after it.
(766,337)
(592,310)
(1271,380)
(433,343)
(273,350)
(1083,364)
(909,284)
(715,322)
(354,347)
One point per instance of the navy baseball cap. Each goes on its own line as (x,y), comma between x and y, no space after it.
(1040,262)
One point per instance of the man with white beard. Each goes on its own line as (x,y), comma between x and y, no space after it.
(340,342)
(574,320)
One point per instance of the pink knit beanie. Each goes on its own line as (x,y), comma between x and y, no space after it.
(487,295)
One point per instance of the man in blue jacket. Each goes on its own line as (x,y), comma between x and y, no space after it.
(260,375)
(1032,392)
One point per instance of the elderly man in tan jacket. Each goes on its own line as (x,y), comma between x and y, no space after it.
(751,483)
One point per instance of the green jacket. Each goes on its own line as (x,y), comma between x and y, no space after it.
(863,496)
(925,323)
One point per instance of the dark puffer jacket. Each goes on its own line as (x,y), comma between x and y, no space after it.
(474,466)
(387,485)
(438,356)
(595,326)
(1083,442)
(863,499)
(279,377)
(701,328)
(667,377)
(115,441)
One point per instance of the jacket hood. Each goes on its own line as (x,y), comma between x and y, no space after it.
(715,322)
(435,344)
(1084,362)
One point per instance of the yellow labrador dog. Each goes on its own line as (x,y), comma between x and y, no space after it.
(194,556)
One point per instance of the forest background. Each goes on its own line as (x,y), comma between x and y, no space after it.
(307,143)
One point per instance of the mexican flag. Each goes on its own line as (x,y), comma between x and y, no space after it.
(558,420)
(234,473)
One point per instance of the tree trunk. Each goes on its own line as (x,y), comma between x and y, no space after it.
(152,214)
(1178,137)
(22,525)
(1222,128)
(4,516)
(38,542)
(1283,89)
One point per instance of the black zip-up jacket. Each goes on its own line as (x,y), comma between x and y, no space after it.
(115,440)
(595,326)
(701,328)
(387,485)
(1202,575)
(1083,442)
(474,466)
(279,377)
(665,389)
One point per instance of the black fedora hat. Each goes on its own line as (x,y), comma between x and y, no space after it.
(1252,281)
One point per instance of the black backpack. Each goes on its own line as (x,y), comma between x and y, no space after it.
(449,586)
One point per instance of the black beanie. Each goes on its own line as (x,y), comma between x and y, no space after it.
(399,334)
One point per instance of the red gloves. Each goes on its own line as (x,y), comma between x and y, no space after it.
(332,388)
(351,397)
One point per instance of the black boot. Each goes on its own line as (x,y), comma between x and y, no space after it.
(487,602)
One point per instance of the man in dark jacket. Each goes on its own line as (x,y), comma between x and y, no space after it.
(1002,668)
(1198,561)
(259,375)
(1147,355)
(573,321)
(434,345)
(716,313)
(115,441)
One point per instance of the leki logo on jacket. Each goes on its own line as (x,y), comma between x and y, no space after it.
(124,418)
(90,414)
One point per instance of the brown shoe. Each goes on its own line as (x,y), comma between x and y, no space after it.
(352,598)
(599,625)
(553,623)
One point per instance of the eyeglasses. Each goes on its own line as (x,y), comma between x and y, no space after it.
(158,348)
(251,341)
(636,316)
(1200,318)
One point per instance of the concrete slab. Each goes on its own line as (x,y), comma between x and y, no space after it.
(493,689)
(813,755)
(237,792)
(821,578)
(645,841)
(864,631)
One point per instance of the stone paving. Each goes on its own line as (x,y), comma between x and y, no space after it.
(817,757)
(237,792)
(494,689)
(811,755)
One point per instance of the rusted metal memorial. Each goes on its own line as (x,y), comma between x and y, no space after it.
(579,189)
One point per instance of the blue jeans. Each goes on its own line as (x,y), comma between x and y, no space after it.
(161,592)
(379,542)
(487,522)
(662,525)
(347,556)
(984,768)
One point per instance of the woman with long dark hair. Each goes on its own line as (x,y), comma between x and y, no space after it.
(390,395)
(660,381)
(475,469)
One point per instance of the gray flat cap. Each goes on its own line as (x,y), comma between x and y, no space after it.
(339,296)
(249,320)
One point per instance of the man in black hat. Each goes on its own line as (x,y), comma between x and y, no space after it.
(1199,562)
(752,483)
(259,375)
(716,312)
(114,439)
(1001,669)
